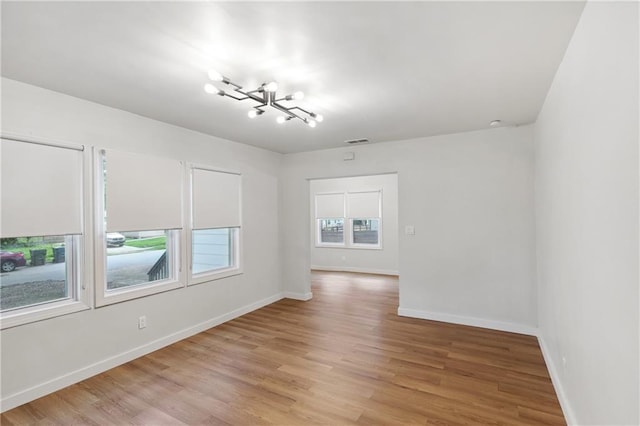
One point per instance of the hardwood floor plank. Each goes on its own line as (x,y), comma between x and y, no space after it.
(345,357)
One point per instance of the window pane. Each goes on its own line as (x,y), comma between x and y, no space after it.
(365,231)
(332,230)
(135,258)
(212,249)
(34,270)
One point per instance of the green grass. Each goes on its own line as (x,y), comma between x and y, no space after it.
(156,243)
(23,247)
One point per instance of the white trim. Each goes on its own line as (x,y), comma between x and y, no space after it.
(207,277)
(355,269)
(105,297)
(216,274)
(472,321)
(41,141)
(77,301)
(208,167)
(41,312)
(318,233)
(297,296)
(27,395)
(569,415)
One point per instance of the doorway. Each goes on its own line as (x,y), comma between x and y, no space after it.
(354,224)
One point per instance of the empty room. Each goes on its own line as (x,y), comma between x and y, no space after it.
(297,213)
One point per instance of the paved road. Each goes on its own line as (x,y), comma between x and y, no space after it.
(142,260)
(361,237)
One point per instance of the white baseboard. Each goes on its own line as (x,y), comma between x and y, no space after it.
(297,296)
(354,269)
(569,415)
(472,321)
(76,376)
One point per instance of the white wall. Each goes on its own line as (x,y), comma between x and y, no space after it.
(470,198)
(383,261)
(41,356)
(586,140)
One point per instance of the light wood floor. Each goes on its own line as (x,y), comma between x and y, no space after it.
(344,357)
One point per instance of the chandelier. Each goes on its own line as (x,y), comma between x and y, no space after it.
(265,96)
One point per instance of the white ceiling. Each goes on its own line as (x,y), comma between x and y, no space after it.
(379,70)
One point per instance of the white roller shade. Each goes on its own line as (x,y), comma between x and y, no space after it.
(41,189)
(215,199)
(142,192)
(329,205)
(363,204)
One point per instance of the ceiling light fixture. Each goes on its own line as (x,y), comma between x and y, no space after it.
(495,123)
(265,95)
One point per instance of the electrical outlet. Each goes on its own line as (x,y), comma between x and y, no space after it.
(142,322)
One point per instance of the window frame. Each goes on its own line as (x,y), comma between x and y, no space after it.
(75,262)
(105,297)
(353,244)
(348,242)
(238,246)
(320,243)
(216,274)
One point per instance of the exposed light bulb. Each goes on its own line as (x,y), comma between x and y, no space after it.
(210,88)
(312,123)
(298,95)
(215,75)
(319,118)
(252,113)
(271,87)
(280,120)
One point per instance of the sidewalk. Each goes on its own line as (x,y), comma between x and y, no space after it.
(123,250)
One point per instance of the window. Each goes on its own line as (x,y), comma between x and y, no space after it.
(140,205)
(330,209)
(331,231)
(356,214)
(213,250)
(215,222)
(41,231)
(138,260)
(36,271)
(365,231)
(364,210)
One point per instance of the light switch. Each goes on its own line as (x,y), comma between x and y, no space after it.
(410,230)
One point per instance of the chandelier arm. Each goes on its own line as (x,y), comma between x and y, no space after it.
(236,98)
(249,95)
(311,114)
(287,111)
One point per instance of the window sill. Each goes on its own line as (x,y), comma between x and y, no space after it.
(134,292)
(213,276)
(40,313)
(349,247)
(365,247)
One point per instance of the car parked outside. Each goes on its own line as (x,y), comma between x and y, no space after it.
(9,260)
(115,239)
